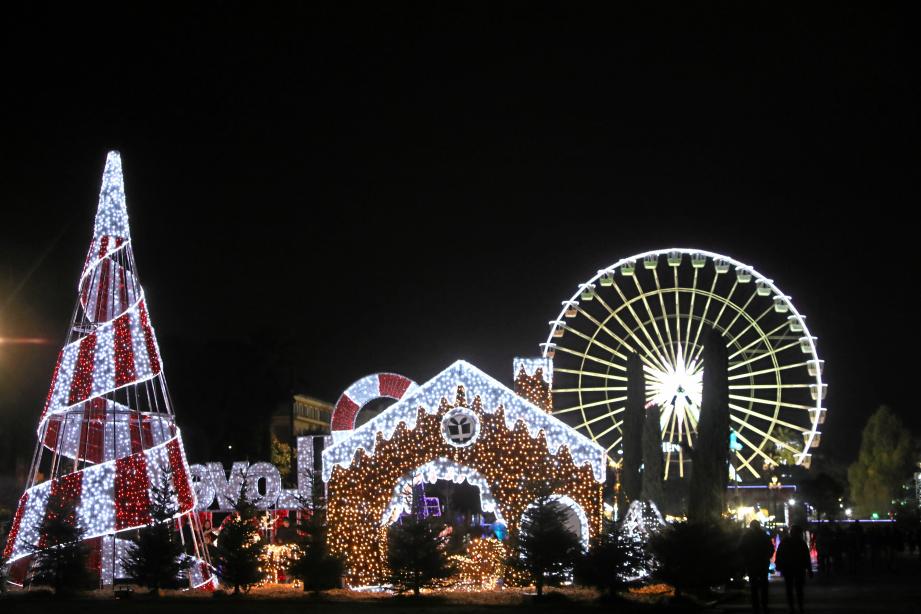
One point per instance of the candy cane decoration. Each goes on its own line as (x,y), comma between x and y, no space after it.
(107,432)
(362,392)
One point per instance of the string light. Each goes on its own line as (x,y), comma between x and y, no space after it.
(533,381)
(518,444)
(105,454)
(482,567)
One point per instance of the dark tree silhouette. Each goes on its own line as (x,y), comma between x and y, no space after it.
(316,568)
(613,558)
(652,458)
(416,555)
(545,546)
(710,469)
(694,556)
(61,556)
(883,464)
(239,548)
(632,429)
(155,558)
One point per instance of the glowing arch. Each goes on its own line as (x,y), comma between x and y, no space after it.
(362,392)
(570,504)
(441,469)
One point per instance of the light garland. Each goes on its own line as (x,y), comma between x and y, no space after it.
(482,567)
(106,454)
(493,396)
(515,457)
(362,392)
(534,381)
(275,561)
(439,469)
(216,490)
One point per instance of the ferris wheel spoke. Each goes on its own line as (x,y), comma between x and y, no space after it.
(600,417)
(614,445)
(668,330)
(601,361)
(703,318)
(608,430)
(752,427)
(581,406)
(760,338)
(745,463)
(597,374)
(719,315)
(594,389)
(753,323)
(651,351)
(766,386)
(768,352)
(687,336)
(647,352)
(593,341)
(755,449)
(768,418)
(652,319)
(741,310)
(680,350)
(770,370)
(739,397)
(601,326)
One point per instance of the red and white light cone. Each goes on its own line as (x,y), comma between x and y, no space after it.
(107,431)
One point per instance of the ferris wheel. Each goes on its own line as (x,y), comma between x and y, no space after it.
(659,305)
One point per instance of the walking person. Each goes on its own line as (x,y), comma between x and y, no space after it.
(794,563)
(756,549)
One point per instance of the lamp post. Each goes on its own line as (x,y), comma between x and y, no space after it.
(774,486)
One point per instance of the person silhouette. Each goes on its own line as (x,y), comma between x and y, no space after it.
(756,549)
(794,563)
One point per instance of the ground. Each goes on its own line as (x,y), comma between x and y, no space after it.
(876,590)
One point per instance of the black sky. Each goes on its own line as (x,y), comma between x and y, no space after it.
(315,196)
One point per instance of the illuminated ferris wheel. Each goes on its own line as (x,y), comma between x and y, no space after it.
(659,305)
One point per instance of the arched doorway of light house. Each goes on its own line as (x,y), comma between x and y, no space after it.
(575,520)
(456,494)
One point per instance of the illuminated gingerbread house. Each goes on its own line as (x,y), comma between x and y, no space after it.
(462,425)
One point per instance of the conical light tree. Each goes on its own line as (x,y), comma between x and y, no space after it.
(107,432)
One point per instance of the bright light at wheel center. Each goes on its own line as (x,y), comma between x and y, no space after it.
(677,387)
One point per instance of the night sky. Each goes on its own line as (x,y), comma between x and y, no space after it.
(315,196)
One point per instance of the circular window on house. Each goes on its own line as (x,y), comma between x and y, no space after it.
(460,427)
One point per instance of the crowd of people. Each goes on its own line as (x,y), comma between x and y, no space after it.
(841,550)
(830,549)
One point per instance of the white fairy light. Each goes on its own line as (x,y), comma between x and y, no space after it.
(492,395)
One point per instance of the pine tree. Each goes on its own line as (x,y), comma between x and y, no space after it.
(155,560)
(417,554)
(613,559)
(60,556)
(694,556)
(652,458)
(633,430)
(546,547)
(316,568)
(710,468)
(239,547)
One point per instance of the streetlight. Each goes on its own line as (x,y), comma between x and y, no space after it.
(774,485)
